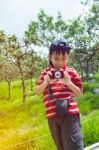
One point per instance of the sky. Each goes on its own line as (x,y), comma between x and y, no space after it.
(15,15)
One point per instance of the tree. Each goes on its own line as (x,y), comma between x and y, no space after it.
(81,33)
(15,49)
(2,41)
(84,34)
(8,73)
(60,27)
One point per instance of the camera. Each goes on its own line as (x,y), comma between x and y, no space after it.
(57,73)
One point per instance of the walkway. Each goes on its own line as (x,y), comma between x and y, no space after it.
(93,147)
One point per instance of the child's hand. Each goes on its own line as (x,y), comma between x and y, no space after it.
(48,79)
(66,80)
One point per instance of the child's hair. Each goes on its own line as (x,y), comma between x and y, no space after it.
(59,46)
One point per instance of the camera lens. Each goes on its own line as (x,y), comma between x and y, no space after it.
(58,74)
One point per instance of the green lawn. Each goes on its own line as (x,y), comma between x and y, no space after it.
(21,122)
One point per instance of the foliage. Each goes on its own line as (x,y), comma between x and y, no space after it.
(96,77)
(81,33)
(90,85)
(90,128)
(89,101)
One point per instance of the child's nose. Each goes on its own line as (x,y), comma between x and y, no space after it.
(60,63)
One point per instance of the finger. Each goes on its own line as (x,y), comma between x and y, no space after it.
(65,73)
(55,80)
(65,76)
(49,73)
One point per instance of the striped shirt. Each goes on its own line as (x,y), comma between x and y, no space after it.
(60,90)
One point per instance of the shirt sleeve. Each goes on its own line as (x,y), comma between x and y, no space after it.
(77,80)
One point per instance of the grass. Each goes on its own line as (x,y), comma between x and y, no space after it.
(89,101)
(90,127)
(21,122)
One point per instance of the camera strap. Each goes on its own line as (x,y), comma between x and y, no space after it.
(61,105)
(50,94)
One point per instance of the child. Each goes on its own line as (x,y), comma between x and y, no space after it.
(64,85)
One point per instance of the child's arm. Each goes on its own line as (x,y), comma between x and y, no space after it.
(40,88)
(75,89)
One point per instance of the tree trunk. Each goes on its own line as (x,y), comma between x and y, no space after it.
(9,89)
(22,79)
(23,87)
(82,75)
(87,70)
(31,84)
(81,69)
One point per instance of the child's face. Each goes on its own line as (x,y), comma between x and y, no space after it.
(59,60)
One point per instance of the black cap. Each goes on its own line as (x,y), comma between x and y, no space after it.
(59,46)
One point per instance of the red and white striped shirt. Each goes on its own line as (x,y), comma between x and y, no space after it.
(60,90)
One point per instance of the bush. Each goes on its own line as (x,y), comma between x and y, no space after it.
(96,77)
(90,128)
(84,103)
(89,86)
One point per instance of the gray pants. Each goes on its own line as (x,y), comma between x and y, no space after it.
(66,132)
